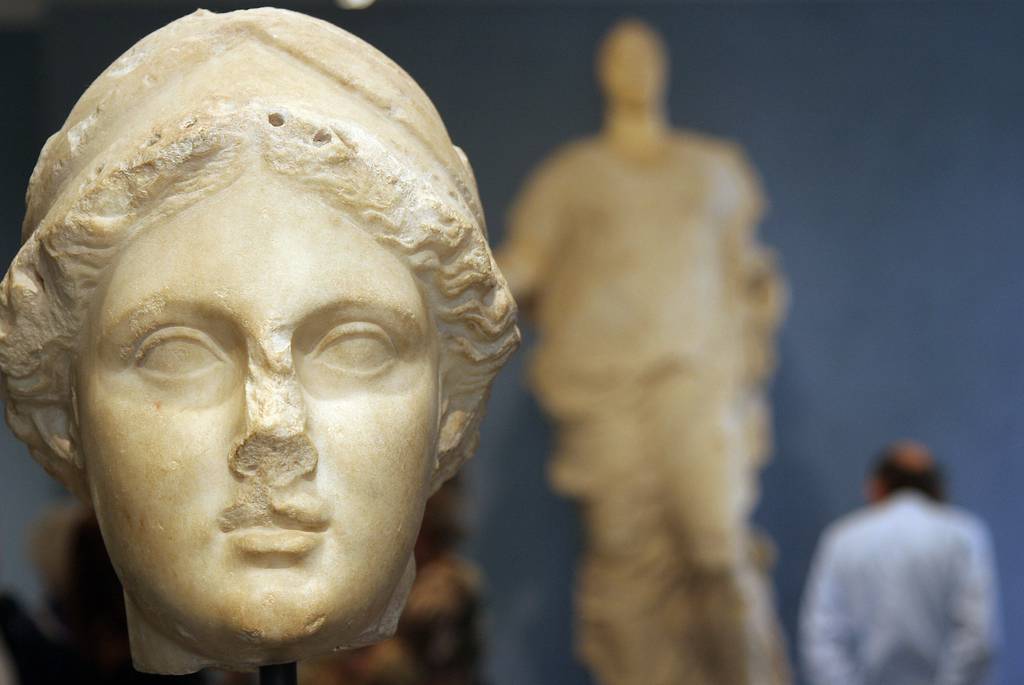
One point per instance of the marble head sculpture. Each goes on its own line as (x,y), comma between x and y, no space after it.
(254,322)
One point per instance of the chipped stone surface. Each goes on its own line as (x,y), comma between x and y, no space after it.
(635,253)
(253,323)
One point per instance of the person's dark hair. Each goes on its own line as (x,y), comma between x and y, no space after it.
(895,472)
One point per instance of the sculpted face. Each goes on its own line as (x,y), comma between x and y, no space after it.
(258,405)
(253,321)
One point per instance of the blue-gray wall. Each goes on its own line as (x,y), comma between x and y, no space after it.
(25,489)
(890,137)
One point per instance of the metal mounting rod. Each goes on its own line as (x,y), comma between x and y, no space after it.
(279,674)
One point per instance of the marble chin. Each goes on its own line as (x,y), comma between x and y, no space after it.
(277,623)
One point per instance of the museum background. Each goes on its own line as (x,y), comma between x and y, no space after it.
(890,140)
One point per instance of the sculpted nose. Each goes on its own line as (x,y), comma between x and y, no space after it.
(276,449)
(273,460)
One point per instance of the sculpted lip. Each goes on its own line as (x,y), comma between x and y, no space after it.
(269,524)
(259,541)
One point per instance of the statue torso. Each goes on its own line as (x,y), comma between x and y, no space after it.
(638,276)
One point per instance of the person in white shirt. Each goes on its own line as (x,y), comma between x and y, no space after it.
(902,592)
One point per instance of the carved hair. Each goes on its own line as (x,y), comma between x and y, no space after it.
(428,218)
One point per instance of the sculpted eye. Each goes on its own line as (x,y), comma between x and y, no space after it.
(177,351)
(358,348)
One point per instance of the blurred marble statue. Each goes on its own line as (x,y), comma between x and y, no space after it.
(635,254)
(253,323)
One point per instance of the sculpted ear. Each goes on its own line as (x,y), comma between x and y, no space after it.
(55,446)
(453,427)
(456,443)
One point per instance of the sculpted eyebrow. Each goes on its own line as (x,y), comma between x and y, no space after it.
(157,311)
(403,320)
